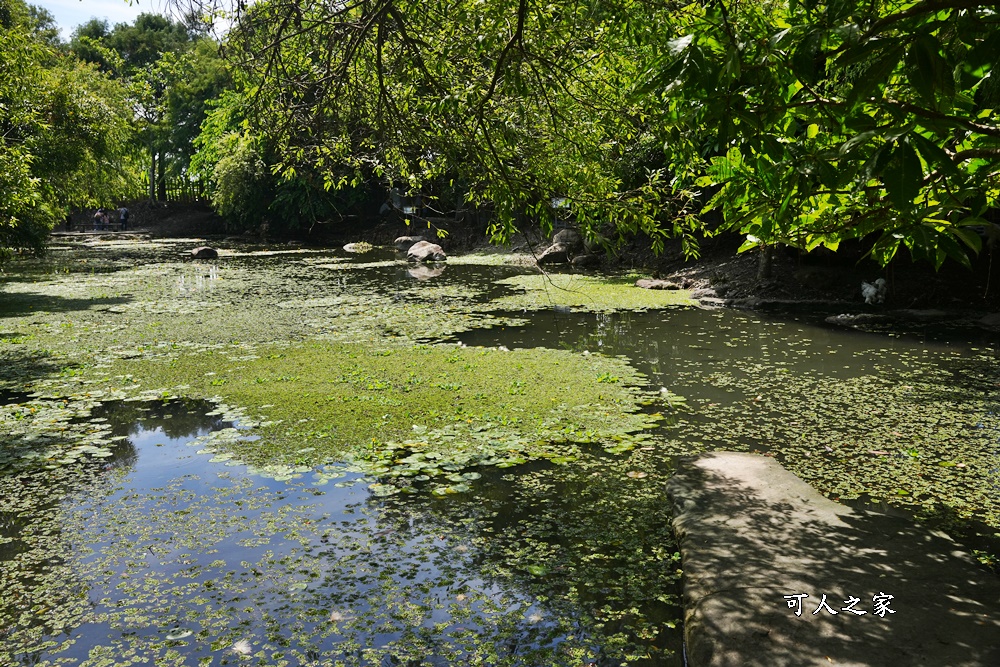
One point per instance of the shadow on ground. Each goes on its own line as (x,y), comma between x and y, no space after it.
(21,368)
(754,537)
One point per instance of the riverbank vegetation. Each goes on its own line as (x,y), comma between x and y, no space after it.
(801,123)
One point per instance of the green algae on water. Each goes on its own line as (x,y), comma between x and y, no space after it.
(411,411)
(585,292)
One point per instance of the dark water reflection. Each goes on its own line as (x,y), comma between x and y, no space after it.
(181,556)
(663,343)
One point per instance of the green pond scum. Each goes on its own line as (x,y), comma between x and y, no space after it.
(410,412)
(296,457)
(589,293)
(351,474)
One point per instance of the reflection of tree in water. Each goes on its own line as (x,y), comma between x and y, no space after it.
(33,575)
(591,541)
(42,595)
(177,418)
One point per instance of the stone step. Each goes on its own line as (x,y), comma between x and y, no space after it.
(756,540)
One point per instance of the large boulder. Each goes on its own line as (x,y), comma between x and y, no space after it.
(404,243)
(204,252)
(557,253)
(425,251)
(569,238)
(763,551)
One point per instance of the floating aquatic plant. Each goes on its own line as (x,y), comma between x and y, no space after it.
(590,293)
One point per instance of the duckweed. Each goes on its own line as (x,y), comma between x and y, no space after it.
(588,293)
(410,411)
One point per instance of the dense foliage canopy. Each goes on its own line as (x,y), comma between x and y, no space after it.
(64,131)
(793,122)
(803,123)
(86,123)
(839,120)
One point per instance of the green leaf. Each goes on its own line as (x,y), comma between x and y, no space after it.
(856,141)
(806,58)
(751,243)
(903,176)
(878,162)
(875,75)
(927,71)
(968,237)
(933,154)
(885,248)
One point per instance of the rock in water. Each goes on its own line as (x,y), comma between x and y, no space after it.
(762,551)
(359,247)
(424,251)
(204,252)
(586,262)
(874,293)
(404,243)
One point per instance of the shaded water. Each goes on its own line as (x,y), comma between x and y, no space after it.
(167,552)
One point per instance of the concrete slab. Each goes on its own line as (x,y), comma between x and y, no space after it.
(752,533)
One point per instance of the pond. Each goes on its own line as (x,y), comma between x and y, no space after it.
(302,457)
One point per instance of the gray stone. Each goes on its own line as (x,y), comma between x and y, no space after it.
(569,238)
(424,251)
(990,321)
(404,243)
(586,262)
(204,252)
(360,247)
(557,253)
(704,293)
(656,283)
(751,533)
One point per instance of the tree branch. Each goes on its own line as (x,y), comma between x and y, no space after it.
(516,38)
(927,8)
(988,130)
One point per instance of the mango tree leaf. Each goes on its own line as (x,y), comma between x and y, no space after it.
(933,154)
(927,71)
(875,75)
(903,175)
(805,59)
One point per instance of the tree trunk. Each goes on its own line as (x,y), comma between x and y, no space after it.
(161,178)
(152,175)
(764,264)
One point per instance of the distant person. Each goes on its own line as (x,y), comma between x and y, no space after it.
(99,219)
(123,218)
